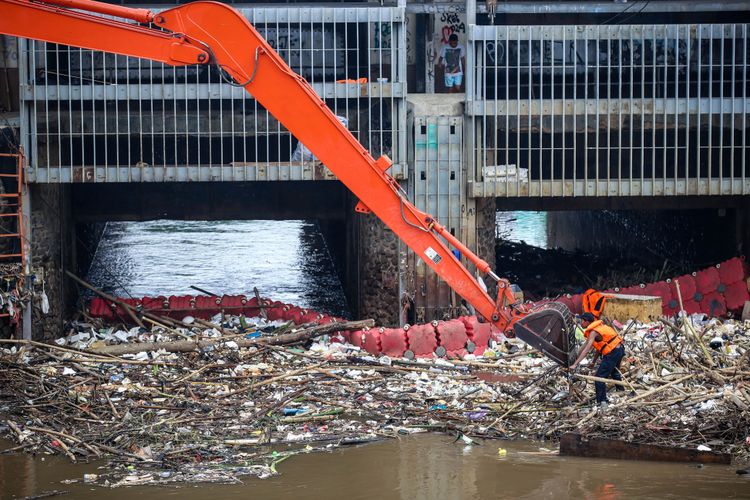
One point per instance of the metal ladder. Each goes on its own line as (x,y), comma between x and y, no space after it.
(12,264)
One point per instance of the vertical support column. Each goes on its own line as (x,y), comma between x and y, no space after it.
(484,225)
(471,20)
(26,128)
(52,239)
(431,54)
(26,317)
(438,185)
(471,12)
(401,113)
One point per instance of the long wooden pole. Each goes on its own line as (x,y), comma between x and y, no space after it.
(689,328)
(127,307)
(194,345)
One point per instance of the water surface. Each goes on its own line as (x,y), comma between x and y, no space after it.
(429,467)
(522,226)
(285,260)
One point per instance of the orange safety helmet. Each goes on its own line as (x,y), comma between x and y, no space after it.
(593,302)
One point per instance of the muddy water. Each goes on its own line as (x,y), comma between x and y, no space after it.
(421,467)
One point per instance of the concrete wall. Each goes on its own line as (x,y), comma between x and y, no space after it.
(486,233)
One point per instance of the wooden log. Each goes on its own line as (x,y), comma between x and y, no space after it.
(591,378)
(575,445)
(622,307)
(127,307)
(651,392)
(263,313)
(194,345)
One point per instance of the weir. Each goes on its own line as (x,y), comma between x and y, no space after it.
(571,113)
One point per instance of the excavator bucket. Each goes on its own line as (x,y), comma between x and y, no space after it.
(550,329)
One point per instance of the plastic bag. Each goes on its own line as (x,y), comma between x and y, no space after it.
(44,303)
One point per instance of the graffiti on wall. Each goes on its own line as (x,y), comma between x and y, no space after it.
(10,52)
(451,22)
(411,26)
(382,36)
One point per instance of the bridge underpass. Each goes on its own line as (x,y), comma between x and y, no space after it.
(68,220)
(374,269)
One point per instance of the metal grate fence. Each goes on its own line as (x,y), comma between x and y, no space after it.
(640,110)
(96,117)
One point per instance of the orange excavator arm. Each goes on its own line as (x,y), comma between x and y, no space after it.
(214,33)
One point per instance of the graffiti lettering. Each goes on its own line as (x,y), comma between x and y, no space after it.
(410,26)
(451,23)
(438,8)
(450,18)
(382,36)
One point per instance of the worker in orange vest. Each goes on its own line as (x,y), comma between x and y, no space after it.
(593,302)
(609,345)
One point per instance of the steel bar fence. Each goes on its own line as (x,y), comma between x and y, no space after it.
(609,110)
(95,117)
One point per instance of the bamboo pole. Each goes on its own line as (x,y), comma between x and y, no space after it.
(689,328)
(652,391)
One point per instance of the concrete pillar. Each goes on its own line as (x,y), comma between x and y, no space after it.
(52,242)
(486,235)
(438,184)
(379,274)
(379,269)
(366,256)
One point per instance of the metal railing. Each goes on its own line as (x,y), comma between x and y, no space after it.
(94,117)
(639,110)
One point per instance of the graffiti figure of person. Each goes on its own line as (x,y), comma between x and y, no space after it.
(453,60)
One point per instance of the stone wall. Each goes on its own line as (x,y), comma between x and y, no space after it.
(486,235)
(379,271)
(51,251)
(366,256)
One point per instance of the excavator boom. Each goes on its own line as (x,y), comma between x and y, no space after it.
(207,32)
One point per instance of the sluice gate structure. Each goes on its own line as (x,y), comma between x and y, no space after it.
(564,105)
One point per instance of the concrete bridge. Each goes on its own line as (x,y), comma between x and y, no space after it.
(574,105)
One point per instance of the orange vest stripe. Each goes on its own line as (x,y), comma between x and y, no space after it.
(610,338)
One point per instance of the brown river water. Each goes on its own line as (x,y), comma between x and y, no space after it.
(418,467)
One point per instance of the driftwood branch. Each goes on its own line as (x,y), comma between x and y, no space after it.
(191,345)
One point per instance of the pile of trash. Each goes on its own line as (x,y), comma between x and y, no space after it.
(236,396)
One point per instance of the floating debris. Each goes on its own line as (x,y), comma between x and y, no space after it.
(233,406)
